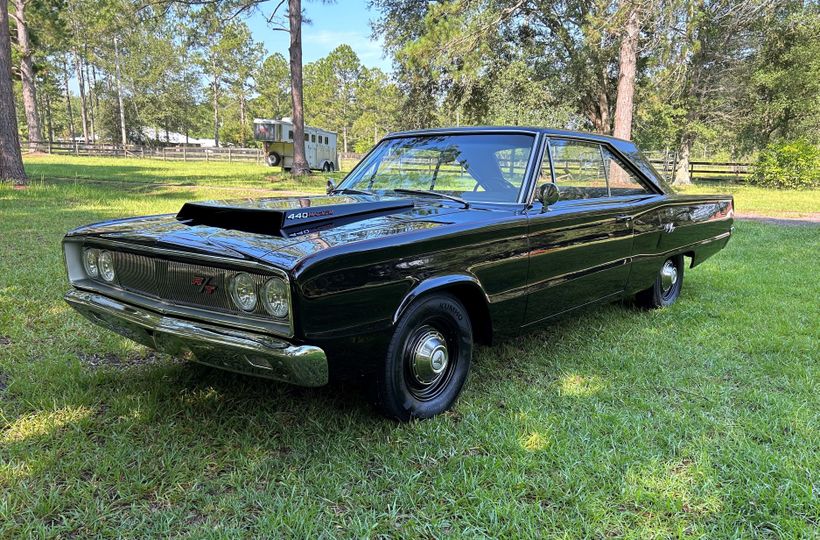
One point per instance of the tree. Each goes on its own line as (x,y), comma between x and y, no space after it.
(627,68)
(242,66)
(723,38)
(273,85)
(377,108)
(300,165)
(27,73)
(346,69)
(11,161)
(781,88)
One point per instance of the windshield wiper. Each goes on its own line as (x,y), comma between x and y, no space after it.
(433,194)
(353,191)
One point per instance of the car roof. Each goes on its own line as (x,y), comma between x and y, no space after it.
(512,129)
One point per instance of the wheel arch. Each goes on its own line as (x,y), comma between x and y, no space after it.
(468,290)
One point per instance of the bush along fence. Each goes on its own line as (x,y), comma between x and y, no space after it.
(663,162)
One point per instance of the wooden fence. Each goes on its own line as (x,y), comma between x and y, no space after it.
(704,170)
(664,162)
(168,153)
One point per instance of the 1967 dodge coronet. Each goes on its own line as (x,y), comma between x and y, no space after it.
(437,240)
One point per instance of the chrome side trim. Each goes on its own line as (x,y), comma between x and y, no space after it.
(225,348)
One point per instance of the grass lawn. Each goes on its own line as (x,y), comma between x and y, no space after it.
(754,200)
(192,173)
(700,420)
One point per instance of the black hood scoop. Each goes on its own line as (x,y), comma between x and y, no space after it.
(288,217)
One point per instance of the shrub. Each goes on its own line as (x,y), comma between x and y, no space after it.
(788,165)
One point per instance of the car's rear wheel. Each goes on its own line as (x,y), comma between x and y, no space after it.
(427,361)
(667,286)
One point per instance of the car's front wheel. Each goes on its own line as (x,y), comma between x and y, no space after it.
(667,286)
(427,361)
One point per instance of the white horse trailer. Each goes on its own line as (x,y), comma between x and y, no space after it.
(277,140)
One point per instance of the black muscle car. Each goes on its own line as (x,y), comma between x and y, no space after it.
(437,240)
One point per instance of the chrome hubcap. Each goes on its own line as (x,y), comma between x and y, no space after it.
(669,276)
(430,356)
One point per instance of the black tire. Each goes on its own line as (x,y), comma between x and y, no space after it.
(326,167)
(408,384)
(663,293)
(273,159)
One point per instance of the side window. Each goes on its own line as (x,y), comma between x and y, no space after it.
(290,134)
(544,172)
(579,169)
(326,141)
(621,181)
(307,137)
(313,138)
(585,170)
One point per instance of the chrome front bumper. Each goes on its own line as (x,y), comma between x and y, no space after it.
(225,348)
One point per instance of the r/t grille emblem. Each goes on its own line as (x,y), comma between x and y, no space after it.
(204,284)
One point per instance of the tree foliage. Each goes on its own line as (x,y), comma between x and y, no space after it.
(709,75)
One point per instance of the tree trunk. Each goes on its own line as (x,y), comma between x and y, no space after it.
(300,165)
(91,92)
(27,76)
(681,173)
(626,73)
(78,68)
(118,82)
(597,111)
(215,92)
(242,119)
(344,138)
(11,161)
(69,112)
(49,121)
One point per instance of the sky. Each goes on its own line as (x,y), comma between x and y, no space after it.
(345,21)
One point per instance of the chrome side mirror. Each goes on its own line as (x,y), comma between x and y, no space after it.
(548,194)
(331,186)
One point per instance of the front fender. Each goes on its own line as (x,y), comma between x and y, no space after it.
(436,283)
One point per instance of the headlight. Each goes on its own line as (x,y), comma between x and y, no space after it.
(243,291)
(275,297)
(105,263)
(90,263)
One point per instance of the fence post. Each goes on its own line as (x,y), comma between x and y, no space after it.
(229,154)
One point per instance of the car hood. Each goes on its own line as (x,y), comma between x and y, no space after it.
(252,229)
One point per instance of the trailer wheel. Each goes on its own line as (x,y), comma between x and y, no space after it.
(327,167)
(273,159)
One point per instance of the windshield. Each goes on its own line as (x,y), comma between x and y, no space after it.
(474,167)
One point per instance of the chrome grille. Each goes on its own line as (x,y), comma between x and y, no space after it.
(179,282)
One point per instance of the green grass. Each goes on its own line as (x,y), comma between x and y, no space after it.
(52,168)
(754,200)
(199,173)
(700,420)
